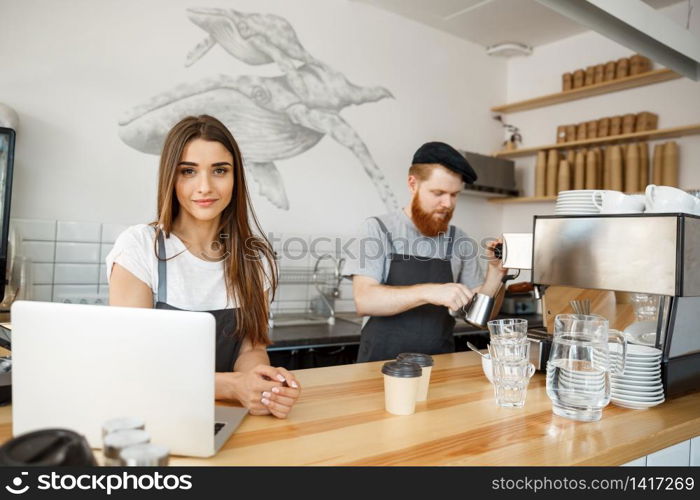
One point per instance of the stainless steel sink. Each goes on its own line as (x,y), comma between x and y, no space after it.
(300,319)
(350,318)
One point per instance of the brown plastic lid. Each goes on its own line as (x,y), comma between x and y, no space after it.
(416,357)
(402,369)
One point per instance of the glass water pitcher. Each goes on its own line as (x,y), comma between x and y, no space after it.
(579,367)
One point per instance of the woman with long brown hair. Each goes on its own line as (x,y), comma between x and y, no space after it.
(206,252)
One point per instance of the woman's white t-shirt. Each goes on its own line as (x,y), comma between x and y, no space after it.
(192,283)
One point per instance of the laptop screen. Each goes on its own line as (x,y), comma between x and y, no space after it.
(7,151)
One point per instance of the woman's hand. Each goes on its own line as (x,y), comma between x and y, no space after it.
(280,399)
(262,390)
(245,387)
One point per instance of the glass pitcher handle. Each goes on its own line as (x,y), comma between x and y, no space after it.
(619,338)
(530,370)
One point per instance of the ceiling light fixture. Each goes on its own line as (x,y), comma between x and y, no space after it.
(509,49)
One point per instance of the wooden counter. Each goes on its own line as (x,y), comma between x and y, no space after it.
(340,420)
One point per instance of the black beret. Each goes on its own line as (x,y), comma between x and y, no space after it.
(447,156)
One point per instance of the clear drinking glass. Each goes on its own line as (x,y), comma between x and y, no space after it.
(646,306)
(579,367)
(510,381)
(509,349)
(507,328)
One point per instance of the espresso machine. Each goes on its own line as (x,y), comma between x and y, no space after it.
(656,254)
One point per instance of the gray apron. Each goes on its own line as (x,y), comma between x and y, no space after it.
(427,329)
(227,346)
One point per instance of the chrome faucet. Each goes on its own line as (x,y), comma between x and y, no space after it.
(335,292)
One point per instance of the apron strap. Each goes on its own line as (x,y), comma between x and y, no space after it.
(450,243)
(162,266)
(386,232)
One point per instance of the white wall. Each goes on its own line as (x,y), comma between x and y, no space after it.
(677,102)
(72,68)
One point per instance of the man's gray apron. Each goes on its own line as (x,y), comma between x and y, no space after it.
(426,329)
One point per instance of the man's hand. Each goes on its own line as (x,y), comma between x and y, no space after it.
(494,263)
(494,273)
(454,296)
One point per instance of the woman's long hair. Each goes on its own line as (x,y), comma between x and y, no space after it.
(246,252)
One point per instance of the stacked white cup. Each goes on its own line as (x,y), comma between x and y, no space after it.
(667,199)
(617,202)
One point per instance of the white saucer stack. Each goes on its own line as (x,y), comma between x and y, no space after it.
(582,382)
(640,385)
(577,202)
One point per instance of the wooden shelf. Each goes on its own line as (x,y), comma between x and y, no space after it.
(634,136)
(648,78)
(523,199)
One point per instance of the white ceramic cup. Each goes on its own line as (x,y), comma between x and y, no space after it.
(697,205)
(401,380)
(617,202)
(640,199)
(487,366)
(425,361)
(660,199)
(517,250)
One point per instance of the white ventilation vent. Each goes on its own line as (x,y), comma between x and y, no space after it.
(509,49)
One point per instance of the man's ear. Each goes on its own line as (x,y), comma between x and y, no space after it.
(412,184)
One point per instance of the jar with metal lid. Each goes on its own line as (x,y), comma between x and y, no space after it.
(122,424)
(145,455)
(115,442)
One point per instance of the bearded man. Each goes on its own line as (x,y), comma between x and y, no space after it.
(413,268)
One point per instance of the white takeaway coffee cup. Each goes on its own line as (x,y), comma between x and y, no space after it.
(401,380)
(425,361)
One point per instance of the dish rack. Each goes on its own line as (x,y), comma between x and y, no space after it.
(320,308)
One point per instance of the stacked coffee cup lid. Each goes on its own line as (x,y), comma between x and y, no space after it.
(126,442)
(509,349)
(406,381)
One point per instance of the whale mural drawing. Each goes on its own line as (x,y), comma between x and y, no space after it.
(272,117)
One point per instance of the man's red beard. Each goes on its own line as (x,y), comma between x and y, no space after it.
(427,222)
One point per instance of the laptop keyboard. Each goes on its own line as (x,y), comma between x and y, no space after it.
(218,426)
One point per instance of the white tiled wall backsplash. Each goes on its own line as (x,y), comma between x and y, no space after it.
(68,262)
(67,258)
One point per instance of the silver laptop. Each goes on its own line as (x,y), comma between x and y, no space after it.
(76,366)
